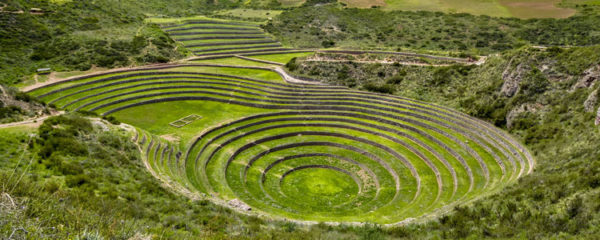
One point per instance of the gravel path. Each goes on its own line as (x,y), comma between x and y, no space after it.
(38,120)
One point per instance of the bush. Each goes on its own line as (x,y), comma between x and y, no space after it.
(292,65)
(396,79)
(380,88)
(112,120)
(327,43)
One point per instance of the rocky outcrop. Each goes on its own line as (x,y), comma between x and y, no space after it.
(512,78)
(590,76)
(515,112)
(598,117)
(236,203)
(591,101)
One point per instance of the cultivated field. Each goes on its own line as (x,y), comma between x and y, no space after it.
(300,151)
(214,38)
(497,8)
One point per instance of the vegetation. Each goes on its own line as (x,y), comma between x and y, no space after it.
(272,115)
(547,112)
(396,30)
(263,153)
(504,8)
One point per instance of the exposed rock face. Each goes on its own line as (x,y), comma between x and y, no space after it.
(590,76)
(512,78)
(236,203)
(528,107)
(591,101)
(598,117)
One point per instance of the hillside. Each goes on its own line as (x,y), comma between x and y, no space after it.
(291,120)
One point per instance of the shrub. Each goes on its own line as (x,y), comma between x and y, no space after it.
(396,79)
(381,88)
(327,43)
(292,65)
(112,120)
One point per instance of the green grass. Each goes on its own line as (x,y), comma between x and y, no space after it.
(496,8)
(318,153)
(234,61)
(174,20)
(221,168)
(281,58)
(197,33)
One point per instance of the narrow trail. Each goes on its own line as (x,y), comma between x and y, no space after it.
(37,120)
(479,62)
(291,79)
(3,92)
(380,62)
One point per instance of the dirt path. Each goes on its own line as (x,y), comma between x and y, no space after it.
(3,92)
(292,79)
(33,121)
(481,61)
(380,62)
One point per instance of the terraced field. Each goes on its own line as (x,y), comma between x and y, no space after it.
(213,38)
(309,152)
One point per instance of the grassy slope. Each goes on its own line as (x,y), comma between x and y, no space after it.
(85,194)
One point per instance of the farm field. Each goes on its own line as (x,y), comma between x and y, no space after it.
(496,8)
(211,37)
(232,130)
(249,13)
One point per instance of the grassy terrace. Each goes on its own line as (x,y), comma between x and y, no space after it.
(214,37)
(299,151)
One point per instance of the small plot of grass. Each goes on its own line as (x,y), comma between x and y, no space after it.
(499,8)
(291,3)
(319,187)
(234,61)
(243,50)
(234,41)
(157,123)
(161,20)
(281,58)
(212,26)
(62,75)
(249,73)
(232,46)
(536,8)
(250,13)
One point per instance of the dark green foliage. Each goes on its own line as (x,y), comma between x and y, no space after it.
(443,75)
(71,35)
(112,120)
(291,65)
(309,3)
(368,28)
(327,43)
(57,135)
(397,79)
(9,111)
(560,197)
(380,88)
